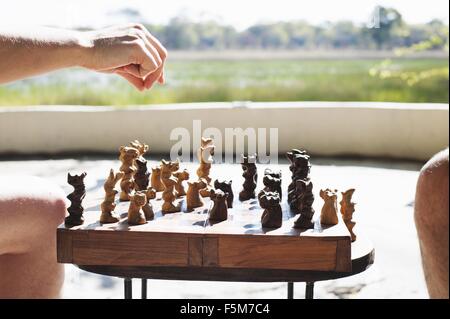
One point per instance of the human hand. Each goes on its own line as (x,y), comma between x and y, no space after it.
(129,51)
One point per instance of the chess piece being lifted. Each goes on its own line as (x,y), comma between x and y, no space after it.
(250,175)
(150,193)
(219,211)
(135,214)
(128,156)
(193,199)
(169,181)
(225,186)
(155,179)
(181,176)
(142,175)
(108,204)
(347,210)
(272,216)
(304,201)
(76,209)
(205,157)
(328,215)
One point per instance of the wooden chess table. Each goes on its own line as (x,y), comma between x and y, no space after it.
(186,246)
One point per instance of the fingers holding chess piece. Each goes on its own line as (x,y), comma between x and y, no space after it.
(135,213)
(107,216)
(328,215)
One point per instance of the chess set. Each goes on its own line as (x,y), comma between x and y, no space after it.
(156,221)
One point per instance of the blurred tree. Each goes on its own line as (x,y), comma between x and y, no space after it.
(384,21)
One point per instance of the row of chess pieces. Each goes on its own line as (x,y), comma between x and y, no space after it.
(139,186)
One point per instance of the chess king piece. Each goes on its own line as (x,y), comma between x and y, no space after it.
(272,216)
(193,199)
(76,209)
(155,179)
(128,156)
(347,210)
(300,168)
(275,175)
(150,193)
(250,175)
(304,201)
(271,184)
(225,186)
(219,211)
(135,214)
(181,176)
(142,175)
(108,204)
(169,181)
(205,157)
(328,215)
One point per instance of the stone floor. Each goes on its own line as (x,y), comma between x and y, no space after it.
(384,212)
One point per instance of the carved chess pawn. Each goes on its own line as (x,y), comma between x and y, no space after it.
(304,204)
(272,216)
(135,214)
(128,155)
(181,176)
(148,207)
(205,157)
(347,210)
(225,186)
(193,199)
(142,175)
(155,179)
(109,204)
(328,215)
(250,175)
(76,209)
(219,211)
(169,182)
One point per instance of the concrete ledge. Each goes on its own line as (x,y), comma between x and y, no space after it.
(397,130)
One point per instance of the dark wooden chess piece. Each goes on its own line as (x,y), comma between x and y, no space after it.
(300,168)
(271,184)
(250,175)
(142,175)
(304,202)
(225,186)
(277,175)
(272,216)
(76,209)
(219,211)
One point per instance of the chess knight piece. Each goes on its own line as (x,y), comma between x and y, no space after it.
(150,193)
(347,210)
(156,183)
(108,204)
(272,216)
(135,214)
(250,175)
(181,176)
(142,175)
(205,157)
(328,215)
(128,156)
(193,199)
(169,181)
(76,209)
(225,186)
(219,211)
(304,204)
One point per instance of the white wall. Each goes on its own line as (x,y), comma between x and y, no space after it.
(413,131)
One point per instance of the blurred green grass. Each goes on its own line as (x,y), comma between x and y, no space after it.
(230,80)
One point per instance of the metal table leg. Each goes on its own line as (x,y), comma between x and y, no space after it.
(309,294)
(144,289)
(128,287)
(290,290)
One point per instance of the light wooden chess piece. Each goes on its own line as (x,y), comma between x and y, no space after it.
(347,210)
(205,157)
(181,176)
(148,208)
(135,214)
(169,181)
(328,215)
(108,204)
(155,179)
(141,147)
(128,155)
(193,199)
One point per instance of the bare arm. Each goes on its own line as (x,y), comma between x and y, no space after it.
(129,51)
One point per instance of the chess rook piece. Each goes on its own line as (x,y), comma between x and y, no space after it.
(155,179)
(277,180)
(347,210)
(219,211)
(142,175)
(205,157)
(141,147)
(272,216)
(135,214)
(181,176)
(225,186)
(193,198)
(108,204)
(76,209)
(328,215)
(169,181)
(304,201)
(150,193)
(250,175)
(128,156)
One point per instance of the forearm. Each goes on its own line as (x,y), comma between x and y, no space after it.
(36,50)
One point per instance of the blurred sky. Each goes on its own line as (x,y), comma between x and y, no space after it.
(239,13)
